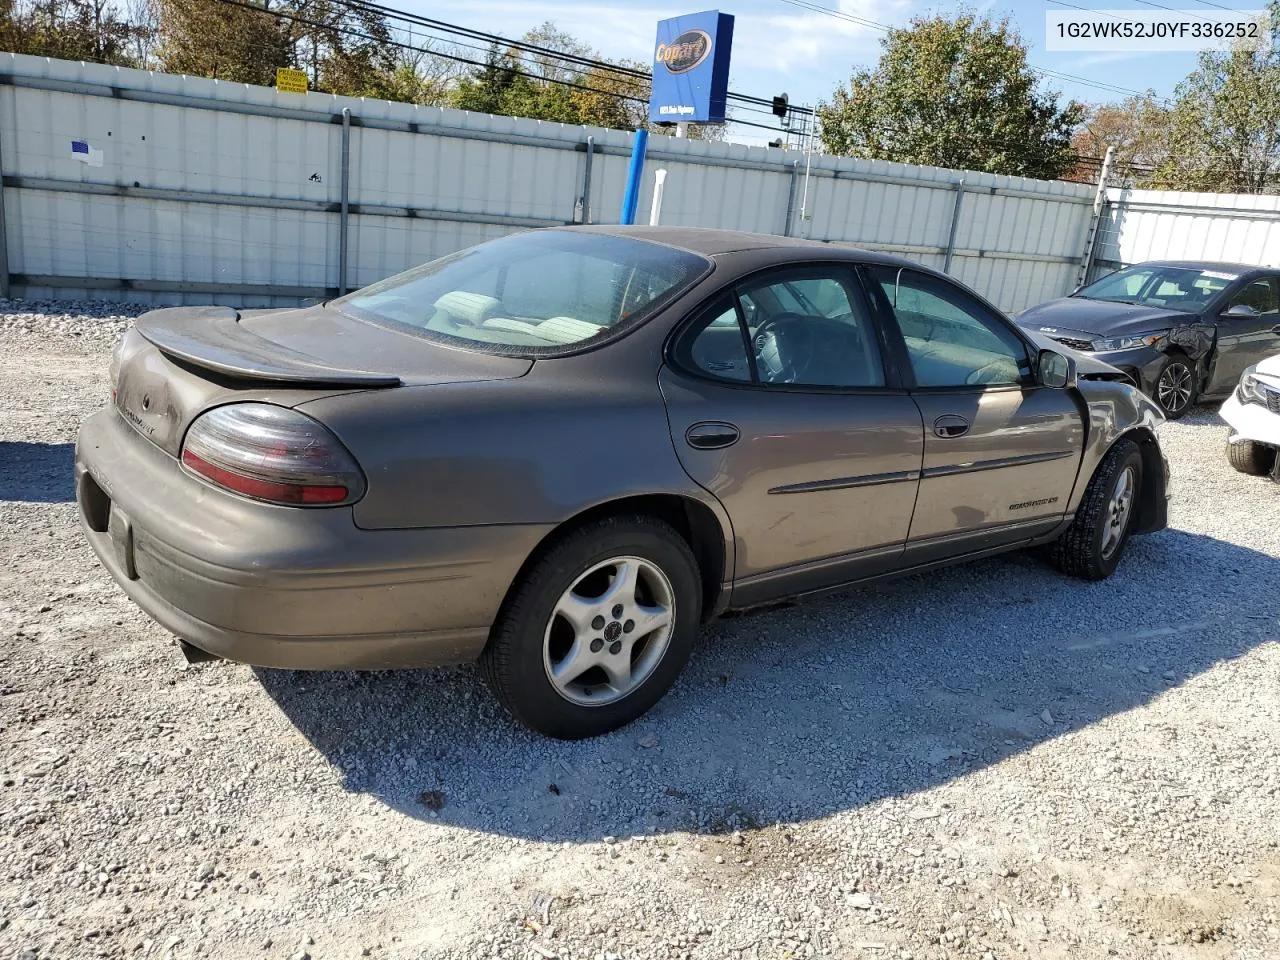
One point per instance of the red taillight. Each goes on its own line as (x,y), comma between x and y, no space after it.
(271,453)
(263,489)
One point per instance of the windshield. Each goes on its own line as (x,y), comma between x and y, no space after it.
(530,293)
(1187,289)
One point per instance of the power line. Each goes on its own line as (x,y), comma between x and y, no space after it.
(887,132)
(841,15)
(524,45)
(527,48)
(1161,6)
(350,31)
(1208,3)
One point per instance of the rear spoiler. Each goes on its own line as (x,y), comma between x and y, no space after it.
(212,338)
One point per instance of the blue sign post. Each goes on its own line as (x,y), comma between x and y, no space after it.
(691,68)
(631,196)
(690,84)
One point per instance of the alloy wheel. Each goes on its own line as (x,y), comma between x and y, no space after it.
(609,630)
(1118,509)
(1174,387)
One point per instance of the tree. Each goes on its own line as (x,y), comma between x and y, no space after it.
(953,93)
(416,76)
(1225,122)
(93,30)
(487,89)
(549,67)
(345,49)
(222,40)
(1138,129)
(520,83)
(614,97)
(558,86)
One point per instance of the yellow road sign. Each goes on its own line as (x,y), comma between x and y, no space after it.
(289,80)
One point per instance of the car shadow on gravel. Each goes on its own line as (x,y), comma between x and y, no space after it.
(37,472)
(803,712)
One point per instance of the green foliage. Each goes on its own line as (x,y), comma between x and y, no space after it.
(222,41)
(93,30)
(1224,131)
(953,92)
(543,88)
(490,88)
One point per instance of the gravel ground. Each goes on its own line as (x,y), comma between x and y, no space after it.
(989,762)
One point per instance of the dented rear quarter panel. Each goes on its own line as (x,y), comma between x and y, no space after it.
(574,433)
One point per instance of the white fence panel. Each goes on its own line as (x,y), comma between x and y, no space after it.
(1143,225)
(216,191)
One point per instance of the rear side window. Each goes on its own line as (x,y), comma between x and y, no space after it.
(1263,295)
(715,345)
(793,327)
(540,292)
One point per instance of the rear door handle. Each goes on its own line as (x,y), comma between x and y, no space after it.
(949,426)
(711,435)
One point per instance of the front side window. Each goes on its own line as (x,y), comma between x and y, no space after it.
(1187,289)
(1263,295)
(812,331)
(952,340)
(532,293)
(803,329)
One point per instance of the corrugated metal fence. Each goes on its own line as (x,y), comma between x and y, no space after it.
(161,188)
(1142,225)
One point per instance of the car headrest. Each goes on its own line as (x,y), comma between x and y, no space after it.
(472,308)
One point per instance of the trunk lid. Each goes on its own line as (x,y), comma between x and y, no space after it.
(177,363)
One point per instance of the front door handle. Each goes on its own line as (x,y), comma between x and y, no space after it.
(711,435)
(949,426)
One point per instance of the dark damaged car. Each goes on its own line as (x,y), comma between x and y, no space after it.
(1182,331)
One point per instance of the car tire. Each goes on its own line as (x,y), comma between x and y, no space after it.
(1176,385)
(1092,546)
(571,682)
(1255,459)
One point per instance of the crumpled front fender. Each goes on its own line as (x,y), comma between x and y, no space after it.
(1118,410)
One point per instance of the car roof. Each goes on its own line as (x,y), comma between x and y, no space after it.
(721,243)
(1204,265)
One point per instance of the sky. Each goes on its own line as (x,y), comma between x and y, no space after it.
(787,46)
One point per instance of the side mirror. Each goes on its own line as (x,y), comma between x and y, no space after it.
(1242,310)
(1055,370)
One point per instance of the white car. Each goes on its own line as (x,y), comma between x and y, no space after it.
(1253,413)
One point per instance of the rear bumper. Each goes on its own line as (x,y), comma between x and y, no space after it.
(1251,421)
(281,586)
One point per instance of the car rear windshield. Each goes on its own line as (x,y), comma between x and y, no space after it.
(1188,289)
(540,292)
